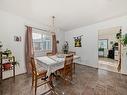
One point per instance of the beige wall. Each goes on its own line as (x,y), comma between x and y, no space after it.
(109,34)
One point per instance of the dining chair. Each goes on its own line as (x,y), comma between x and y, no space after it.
(74,53)
(67,70)
(49,53)
(39,74)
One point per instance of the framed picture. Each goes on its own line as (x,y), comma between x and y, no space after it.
(17,38)
(77,41)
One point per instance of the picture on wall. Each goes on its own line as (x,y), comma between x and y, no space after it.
(17,38)
(77,41)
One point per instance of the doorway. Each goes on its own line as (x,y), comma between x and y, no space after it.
(109,49)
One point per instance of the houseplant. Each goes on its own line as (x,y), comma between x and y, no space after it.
(10,56)
(122,38)
(123,41)
(11,60)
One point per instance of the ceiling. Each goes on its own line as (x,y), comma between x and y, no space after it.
(70,14)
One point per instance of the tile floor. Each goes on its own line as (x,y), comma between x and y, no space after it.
(86,81)
(108,64)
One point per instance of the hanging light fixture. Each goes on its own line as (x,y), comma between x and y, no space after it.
(52,26)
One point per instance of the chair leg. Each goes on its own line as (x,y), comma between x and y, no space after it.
(35,85)
(71,75)
(64,75)
(56,72)
(64,81)
(32,80)
(74,67)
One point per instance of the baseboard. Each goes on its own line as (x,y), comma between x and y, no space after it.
(15,76)
(100,68)
(88,65)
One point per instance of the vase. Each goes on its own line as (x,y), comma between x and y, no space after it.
(65,51)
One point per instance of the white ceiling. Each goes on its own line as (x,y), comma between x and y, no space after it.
(70,14)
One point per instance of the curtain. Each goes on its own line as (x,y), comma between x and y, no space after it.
(28,49)
(54,44)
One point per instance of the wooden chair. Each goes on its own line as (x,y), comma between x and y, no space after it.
(74,53)
(38,74)
(67,70)
(49,53)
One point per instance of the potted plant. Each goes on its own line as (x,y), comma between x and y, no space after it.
(101,49)
(122,38)
(11,58)
(8,52)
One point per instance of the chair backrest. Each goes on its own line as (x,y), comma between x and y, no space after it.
(34,71)
(68,63)
(68,59)
(49,53)
(72,52)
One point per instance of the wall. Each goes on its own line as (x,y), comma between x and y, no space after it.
(110,38)
(89,50)
(60,36)
(109,34)
(12,25)
(108,46)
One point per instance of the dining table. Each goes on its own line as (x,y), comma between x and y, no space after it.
(54,63)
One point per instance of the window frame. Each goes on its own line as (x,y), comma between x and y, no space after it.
(42,33)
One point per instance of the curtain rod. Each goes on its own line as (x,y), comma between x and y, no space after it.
(37,28)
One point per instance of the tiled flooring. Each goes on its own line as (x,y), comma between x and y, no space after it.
(86,81)
(108,64)
(108,60)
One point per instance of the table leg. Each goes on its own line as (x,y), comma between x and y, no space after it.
(50,80)
(14,72)
(74,67)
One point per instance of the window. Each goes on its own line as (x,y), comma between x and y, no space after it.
(103,43)
(41,42)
